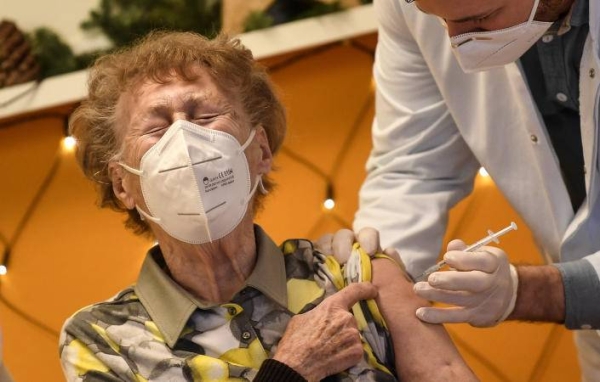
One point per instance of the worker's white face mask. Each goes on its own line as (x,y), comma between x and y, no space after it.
(195,182)
(478,51)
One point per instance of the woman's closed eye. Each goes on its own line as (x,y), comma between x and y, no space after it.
(157,130)
(204,118)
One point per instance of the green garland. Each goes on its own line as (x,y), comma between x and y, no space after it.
(123,21)
(290,10)
(55,56)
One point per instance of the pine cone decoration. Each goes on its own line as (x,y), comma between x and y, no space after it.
(17,62)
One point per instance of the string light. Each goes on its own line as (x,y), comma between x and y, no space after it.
(483,172)
(69,143)
(329,204)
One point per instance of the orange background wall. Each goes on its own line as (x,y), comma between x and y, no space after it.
(67,253)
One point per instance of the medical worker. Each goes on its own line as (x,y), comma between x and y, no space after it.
(510,85)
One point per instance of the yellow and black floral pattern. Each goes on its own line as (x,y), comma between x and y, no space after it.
(118,340)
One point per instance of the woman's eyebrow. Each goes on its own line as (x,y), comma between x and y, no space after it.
(158,109)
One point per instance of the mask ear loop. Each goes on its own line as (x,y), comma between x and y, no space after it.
(248,141)
(144,215)
(258,184)
(261,186)
(132,170)
(533,11)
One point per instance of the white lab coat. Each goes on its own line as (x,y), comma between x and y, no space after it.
(435,126)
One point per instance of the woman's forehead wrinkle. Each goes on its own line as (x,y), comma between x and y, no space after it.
(194,99)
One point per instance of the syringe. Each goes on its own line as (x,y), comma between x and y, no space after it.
(471,248)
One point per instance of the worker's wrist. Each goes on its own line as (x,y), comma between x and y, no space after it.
(514,275)
(540,296)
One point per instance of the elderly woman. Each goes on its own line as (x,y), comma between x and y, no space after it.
(179,132)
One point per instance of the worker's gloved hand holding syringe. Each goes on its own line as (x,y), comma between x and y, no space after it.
(482,284)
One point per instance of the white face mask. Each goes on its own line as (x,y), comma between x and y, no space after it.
(478,51)
(195,182)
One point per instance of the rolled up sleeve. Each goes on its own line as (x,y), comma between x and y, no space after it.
(582,293)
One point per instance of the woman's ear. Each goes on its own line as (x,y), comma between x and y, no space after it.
(266,156)
(120,187)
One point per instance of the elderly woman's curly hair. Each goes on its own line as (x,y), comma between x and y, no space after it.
(157,57)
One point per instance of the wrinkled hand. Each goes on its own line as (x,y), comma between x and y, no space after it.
(340,244)
(482,287)
(325,340)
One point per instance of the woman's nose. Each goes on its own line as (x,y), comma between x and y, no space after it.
(181,116)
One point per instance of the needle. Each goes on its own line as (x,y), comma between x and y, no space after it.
(471,248)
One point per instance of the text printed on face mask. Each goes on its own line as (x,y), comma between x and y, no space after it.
(222,179)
